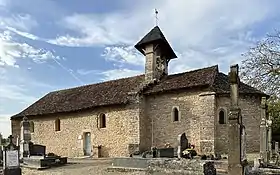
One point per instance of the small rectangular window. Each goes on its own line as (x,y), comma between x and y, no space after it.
(57,125)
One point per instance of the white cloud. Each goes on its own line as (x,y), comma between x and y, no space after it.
(94,30)
(21,22)
(119,73)
(11,50)
(17,88)
(124,55)
(24,34)
(204,28)
(15,92)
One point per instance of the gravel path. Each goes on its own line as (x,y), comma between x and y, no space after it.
(82,168)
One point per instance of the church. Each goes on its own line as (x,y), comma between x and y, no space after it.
(150,110)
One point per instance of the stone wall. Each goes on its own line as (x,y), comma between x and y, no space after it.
(196,118)
(250,109)
(122,129)
(134,125)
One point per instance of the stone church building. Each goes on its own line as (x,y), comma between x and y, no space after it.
(142,111)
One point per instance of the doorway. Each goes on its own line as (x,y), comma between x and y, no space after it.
(87,144)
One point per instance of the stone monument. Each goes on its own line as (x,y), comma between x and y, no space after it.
(243,144)
(182,144)
(263,133)
(25,138)
(235,121)
(11,163)
(269,137)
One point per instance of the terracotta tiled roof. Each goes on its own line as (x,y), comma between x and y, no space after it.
(84,97)
(221,86)
(191,79)
(117,91)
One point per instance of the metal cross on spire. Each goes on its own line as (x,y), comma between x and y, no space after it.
(156,15)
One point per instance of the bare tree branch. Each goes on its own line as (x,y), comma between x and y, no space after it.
(261,67)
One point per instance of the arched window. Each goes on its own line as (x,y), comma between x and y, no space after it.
(175,113)
(102,119)
(31,126)
(57,125)
(222,117)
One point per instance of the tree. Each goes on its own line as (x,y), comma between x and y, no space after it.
(274,111)
(261,69)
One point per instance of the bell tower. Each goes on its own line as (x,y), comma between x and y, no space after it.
(158,53)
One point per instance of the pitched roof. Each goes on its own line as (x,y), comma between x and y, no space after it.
(84,97)
(221,85)
(117,91)
(155,35)
(195,78)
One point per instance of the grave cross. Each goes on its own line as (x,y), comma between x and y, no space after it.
(11,161)
(235,122)
(11,139)
(11,144)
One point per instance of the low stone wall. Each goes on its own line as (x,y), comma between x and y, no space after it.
(184,166)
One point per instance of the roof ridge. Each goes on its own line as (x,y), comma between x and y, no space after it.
(98,83)
(242,84)
(195,70)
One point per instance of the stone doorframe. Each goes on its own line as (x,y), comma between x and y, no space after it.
(84,132)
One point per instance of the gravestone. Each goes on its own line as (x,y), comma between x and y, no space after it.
(243,144)
(1,156)
(209,168)
(269,137)
(37,150)
(166,152)
(25,137)
(182,144)
(11,163)
(276,152)
(263,132)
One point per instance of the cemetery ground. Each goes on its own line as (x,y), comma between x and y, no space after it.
(84,167)
(78,167)
(89,167)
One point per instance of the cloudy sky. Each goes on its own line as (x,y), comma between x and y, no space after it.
(47,45)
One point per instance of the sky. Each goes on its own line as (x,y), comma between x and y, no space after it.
(47,45)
